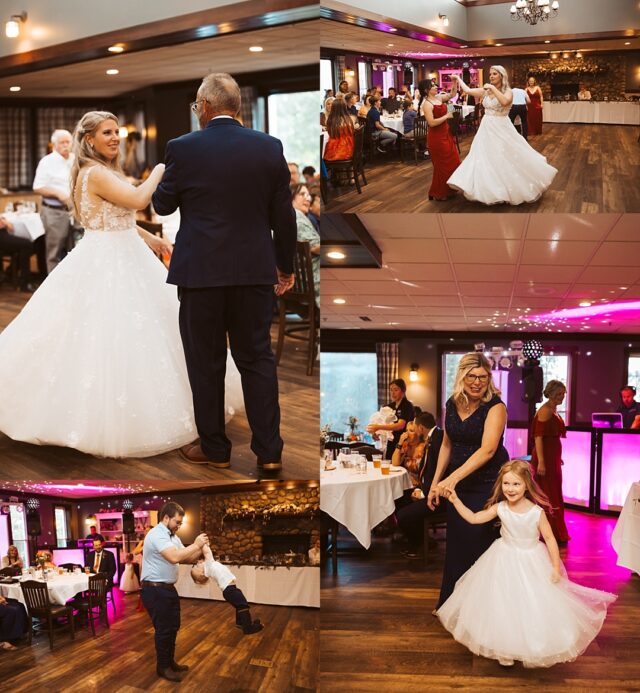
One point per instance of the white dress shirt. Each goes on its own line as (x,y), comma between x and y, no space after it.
(519,97)
(53,172)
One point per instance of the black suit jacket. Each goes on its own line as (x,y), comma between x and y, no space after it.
(430,459)
(107,564)
(232,187)
(391,105)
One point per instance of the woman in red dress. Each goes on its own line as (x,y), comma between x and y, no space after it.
(341,133)
(534,109)
(440,142)
(547,428)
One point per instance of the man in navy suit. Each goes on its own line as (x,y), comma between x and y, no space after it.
(102,561)
(236,242)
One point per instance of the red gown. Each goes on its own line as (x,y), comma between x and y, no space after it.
(551,483)
(534,113)
(444,154)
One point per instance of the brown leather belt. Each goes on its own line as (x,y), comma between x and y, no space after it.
(148,583)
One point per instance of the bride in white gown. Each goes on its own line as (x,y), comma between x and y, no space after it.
(500,166)
(94,361)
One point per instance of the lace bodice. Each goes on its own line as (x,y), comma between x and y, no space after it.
(103,215)
(493,107)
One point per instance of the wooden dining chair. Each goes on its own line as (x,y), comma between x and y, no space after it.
(334,435)
(417,143)
(454,128)
(92,604)
(432,522)
(40,609)
(349,170)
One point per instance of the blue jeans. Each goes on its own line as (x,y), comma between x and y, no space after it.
(384,138)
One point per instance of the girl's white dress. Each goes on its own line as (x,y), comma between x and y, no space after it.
(506,607)
(129,582)
(501,166)
(94,361)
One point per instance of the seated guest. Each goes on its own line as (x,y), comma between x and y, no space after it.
(23,248)
(404,412)
(411,516)
(379,133)
(406,91)
(343,87)
(327,94)
(314,552)
(44,559)
(13,622)
(341,133)
(93,533)
(12,559)
(409,452)
(363,111)
(101,561)
(350,102)
(409,119)
(391,104)
(294,172)
(324,116)
(629,408)
(301,201)
(310,176)
(584,94)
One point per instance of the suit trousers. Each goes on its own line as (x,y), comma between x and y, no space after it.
(163,605)
(411,520)
(57,227)
(244,314)
(522,112)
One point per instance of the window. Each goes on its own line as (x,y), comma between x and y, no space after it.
(364,71)
(557,367)
(633,371)
(293,119)
(348,387)
(326,76)
(60,519)
(19,530)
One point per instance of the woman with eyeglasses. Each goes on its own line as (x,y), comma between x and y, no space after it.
(301,200)
(440,142)
(470,458)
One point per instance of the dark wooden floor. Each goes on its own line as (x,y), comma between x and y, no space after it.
(299,404)
(377,631)
(282,657)
(598,171)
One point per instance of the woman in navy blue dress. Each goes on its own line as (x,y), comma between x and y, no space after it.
(471,455)
(13,622)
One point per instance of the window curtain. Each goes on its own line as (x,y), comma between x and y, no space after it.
(247,98)
(15,149)
(56,118)
(387,357)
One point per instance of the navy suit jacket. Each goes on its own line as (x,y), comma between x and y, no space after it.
(107,564)
(237,223)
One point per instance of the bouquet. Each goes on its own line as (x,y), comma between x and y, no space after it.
(386,415)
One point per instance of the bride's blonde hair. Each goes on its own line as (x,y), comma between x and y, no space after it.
(85,154)
(505,77)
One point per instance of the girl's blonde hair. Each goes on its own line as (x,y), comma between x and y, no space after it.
(532,491)
(505,77)
(85,155)
(466,364)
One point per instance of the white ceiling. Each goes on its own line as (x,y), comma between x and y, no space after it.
(284,46)
(469,272)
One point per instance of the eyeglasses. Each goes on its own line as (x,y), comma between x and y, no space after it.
(305,194)
(470,378)
(194,105)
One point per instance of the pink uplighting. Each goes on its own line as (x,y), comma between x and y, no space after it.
(620,468)
(623,310)
(576,455)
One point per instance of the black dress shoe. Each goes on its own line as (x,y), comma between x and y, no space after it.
(250,628)
(179,667)
(169,674)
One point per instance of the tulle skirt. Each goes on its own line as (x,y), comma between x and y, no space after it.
(95,362)
(501,166)
(506,607)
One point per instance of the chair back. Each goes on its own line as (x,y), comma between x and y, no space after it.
(358,144)
(10,571)
(454,123)
(367,450)
(303,289)
(420,129)
(97,592)
(334,446)
(70,566)
(335,436)
(36,595)
(363,123)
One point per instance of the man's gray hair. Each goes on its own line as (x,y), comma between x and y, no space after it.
(221,92)
(56,135)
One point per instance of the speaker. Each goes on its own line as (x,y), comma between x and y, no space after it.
(128,522)
(408,76)
(532,382)
(33,524)
(466,76)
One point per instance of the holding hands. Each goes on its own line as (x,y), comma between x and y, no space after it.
(201,541)
(206,551)
(444,489)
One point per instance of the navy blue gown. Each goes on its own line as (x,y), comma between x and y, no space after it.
(13,621)
(466,542)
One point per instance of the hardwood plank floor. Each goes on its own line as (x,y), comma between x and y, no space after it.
(377,631)
(299,404)
(598,171)
(282,657)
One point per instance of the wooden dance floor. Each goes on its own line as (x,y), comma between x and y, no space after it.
(299,404)
(598,171)
(282,657)
(377,631)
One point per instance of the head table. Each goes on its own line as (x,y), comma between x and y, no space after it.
(61,587)
(360,502)
(626,534)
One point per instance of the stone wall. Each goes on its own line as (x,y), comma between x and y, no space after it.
(604,75)
(240,538)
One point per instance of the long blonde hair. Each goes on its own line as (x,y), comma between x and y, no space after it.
(85,155)
(466,364)
(532,491)
(505,77)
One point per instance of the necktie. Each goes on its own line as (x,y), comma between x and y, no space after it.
(96,563)
(424,461)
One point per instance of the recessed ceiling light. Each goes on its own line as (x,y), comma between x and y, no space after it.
(336,255)
(123,132)
(115,49)
(547,41)
(339,301)
(627,43)
(584,304)
(390,45)
(499,44)
(113,72)
(622,288)
(256,49)
(15,88)
(392,29)
(464,46)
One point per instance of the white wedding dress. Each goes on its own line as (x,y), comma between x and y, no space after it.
(501,166)
(94,361)
(506,607)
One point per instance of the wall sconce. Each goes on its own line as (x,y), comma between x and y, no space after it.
(350,73)
(12,27)
(444,20)
(413,373)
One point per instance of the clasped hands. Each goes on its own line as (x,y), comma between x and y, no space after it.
(444,489)
(202,540)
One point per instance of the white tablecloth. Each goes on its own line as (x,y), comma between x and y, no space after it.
(61,588)
(626,535)
(393,123)
(606,112)
(361,502)
(281,586)
(27,225)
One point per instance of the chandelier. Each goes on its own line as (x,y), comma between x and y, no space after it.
(534,11)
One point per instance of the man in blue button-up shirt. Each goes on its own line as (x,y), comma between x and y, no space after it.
(162,554)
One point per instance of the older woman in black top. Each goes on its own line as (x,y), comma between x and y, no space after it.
(471,455)
(404,411)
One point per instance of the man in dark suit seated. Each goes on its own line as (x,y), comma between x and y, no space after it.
(101,561)
(411,516)
(391,103)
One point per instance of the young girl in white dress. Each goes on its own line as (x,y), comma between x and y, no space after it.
(130,581)
(516,602)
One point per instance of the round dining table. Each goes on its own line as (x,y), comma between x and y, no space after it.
(626,534)
(61,587)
